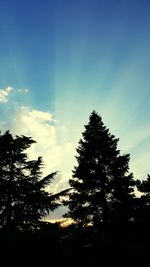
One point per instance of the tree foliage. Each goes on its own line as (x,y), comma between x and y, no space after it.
(143,203)
(102,185)
(23,196)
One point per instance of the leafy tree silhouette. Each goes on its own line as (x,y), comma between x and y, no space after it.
(23,196)
(103,188)
(143,210)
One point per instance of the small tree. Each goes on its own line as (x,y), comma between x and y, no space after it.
(102,188)
(144,201)
(23,198)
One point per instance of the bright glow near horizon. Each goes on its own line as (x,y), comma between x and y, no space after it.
(62,59)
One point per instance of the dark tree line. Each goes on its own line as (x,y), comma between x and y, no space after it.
(101,199)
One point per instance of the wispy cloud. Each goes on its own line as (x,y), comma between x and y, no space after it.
(4,94)
(21,90)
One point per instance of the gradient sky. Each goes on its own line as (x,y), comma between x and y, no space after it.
(61,59)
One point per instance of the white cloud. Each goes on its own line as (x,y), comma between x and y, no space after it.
(51,144)
(36,124)
(4,93)
(40,115)
(20,90)
(41,126)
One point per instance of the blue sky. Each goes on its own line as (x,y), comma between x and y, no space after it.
(59,60)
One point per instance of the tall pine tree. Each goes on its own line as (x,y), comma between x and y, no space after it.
(23,198)
(102,187)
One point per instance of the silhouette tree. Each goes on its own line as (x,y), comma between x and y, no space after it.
(143,210)
(122,191)
(102,188)
(23,196)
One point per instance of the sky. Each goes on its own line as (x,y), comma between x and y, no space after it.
(62,59)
